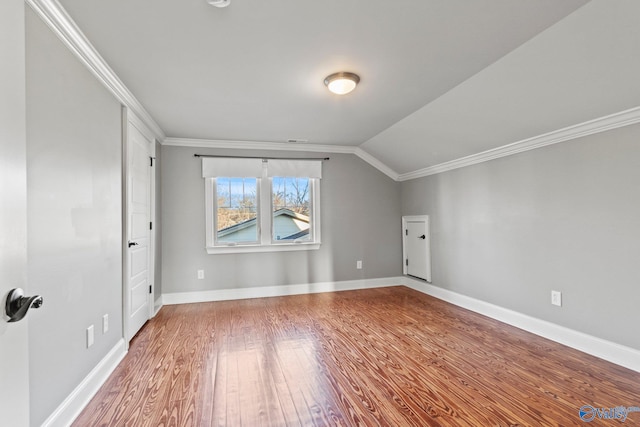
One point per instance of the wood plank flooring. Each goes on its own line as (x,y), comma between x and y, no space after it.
(379,357)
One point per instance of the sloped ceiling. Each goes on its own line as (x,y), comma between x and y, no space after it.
(441,79)
(583,68)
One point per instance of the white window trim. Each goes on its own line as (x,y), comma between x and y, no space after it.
(264,222)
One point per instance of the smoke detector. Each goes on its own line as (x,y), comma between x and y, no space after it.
(219,3)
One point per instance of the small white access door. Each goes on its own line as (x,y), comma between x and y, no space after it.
(416,248)
(138,244)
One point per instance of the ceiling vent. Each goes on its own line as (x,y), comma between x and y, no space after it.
(219,3)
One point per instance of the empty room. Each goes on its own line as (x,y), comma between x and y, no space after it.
(327,213)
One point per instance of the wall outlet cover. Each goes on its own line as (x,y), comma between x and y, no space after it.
(89,336)
(556,298)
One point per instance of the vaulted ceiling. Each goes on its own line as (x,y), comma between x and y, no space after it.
(440,79)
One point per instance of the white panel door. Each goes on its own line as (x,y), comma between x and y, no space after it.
(416,247)
(14,356)
(138,292)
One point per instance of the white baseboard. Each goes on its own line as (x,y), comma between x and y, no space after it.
(621,355)
(607,350)
(80,397)
(276,291)
(157,305)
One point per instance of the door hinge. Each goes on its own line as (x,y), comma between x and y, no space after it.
(150,289)
(151,226)
(406,262)
(151,159)
(406,232)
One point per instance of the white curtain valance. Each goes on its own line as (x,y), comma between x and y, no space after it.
(295,168)
(214,167)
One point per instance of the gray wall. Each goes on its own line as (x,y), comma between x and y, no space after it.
(73,220)
(360,211)
(565,217)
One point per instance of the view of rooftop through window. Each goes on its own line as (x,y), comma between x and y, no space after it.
(291,193)
(237,209)
(291,208)
(237,204)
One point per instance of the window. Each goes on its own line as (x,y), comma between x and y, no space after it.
(237,210)
(255,205)
(290,208)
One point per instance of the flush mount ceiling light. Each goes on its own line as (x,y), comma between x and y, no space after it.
(219,3)
(342,83)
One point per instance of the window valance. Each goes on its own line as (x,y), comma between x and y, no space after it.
(242,167)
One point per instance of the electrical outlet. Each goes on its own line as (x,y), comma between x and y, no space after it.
(359,264)
(200,274)
(89,336)
(105,323)
(556,298)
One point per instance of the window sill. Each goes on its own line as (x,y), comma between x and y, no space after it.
(279,247)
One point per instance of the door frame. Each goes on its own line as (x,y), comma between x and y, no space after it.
(416,218)
(130,119)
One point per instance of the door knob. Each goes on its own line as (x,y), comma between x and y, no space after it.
(17,304)
(422,237)
(133,244)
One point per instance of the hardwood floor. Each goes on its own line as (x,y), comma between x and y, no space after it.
(387,356)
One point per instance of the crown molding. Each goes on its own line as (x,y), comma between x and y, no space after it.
(281,146)
(591,127)
(59,21)
(257,145)
(602,124)
(373,161)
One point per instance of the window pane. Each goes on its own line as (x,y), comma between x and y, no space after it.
(237,210)
(291,202)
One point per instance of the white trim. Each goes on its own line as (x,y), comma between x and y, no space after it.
(59,21)
(141,126)
(281,146)
(257,145)
(130,120)
(157,305)
(376,163)
(602,124)
(607,350)
(255,248)
(71,407)
(54,15)
(416,218)
(276,291)
(621,355)
(263,221)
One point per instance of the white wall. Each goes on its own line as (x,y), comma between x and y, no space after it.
(14,369)
(360,211)
(74,217)
(564,217)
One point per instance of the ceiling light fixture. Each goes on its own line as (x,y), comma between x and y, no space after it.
(342,83)
(219,3)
